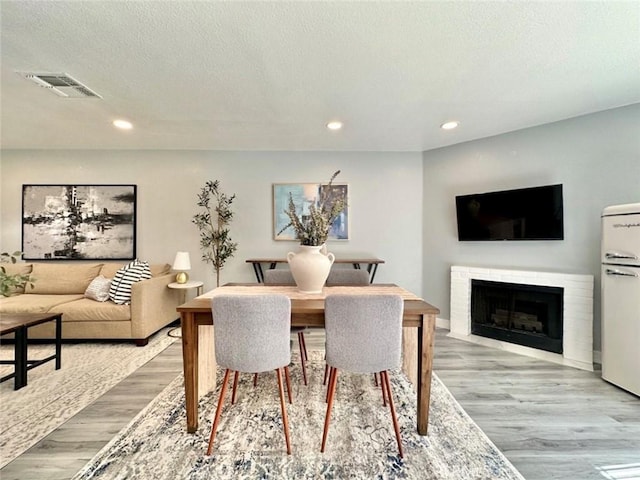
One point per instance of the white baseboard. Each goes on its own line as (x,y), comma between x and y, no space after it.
(597,357)
(443,323)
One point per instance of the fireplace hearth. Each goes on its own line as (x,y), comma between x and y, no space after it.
(529,315)
(577,311)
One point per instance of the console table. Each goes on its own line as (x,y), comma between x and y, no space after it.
(371,263)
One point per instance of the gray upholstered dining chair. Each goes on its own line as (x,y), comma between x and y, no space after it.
(347,276)
(284,277)
(251,334)
(363,335)
(278,277)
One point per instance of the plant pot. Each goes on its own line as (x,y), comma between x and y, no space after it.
(310,267)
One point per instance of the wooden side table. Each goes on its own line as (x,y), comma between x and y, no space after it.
(184,287)
(206,344)
(187,286)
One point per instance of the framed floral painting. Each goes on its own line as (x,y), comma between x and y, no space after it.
(304,195)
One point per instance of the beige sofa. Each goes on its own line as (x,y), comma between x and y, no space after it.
(60,287)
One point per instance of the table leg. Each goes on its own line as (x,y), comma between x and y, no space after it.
(20,347)
(426,336)
(58,341)
(206,360)
(190,362)
(410,355)
(372,272)
(257,269)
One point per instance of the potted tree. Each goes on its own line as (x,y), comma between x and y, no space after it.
(215,241)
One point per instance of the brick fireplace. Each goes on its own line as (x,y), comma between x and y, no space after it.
(576,307)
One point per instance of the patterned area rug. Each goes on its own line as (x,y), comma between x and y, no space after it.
(250,442)
(52,396)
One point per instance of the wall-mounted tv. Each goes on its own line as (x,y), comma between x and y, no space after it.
(533,213)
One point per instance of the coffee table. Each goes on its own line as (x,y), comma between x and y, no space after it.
(18,324)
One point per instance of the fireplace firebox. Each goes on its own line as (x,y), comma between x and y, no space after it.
(529,315)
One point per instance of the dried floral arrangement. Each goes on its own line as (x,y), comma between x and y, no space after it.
(313,229)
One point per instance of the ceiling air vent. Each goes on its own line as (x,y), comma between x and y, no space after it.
(61,84)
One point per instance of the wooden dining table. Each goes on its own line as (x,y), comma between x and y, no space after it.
(307,310)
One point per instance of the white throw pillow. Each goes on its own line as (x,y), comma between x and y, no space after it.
(120,291)
(98,289)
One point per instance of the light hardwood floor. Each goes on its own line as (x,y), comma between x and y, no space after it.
(552,422)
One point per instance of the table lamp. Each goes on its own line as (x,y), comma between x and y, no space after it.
(181,264)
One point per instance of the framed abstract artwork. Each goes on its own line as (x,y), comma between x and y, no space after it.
(79,222)
(305,195)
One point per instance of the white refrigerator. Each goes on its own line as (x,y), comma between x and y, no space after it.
(621,296)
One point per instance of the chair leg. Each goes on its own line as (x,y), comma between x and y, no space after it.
(375,379)
(288,379)
(235,387)
(285,420)
(326,399)
(385,394)
(333,377)
(255,383)
(302,356)
(218,411)
(385,376)
(304,346)
(326,374)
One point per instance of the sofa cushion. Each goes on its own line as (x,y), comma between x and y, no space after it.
(63,279)
(120,291)
(98,289)
(19,268)
(157,269)
(109,269)
(87,310)
(29,303)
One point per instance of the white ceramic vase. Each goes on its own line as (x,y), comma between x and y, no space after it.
(310,267)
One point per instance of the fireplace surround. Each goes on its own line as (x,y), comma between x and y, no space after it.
(577,311)
(529,315)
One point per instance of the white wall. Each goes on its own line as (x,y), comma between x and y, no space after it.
(385,201)
(402,204)
(595,157)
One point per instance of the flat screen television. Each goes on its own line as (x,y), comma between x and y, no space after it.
(533,213)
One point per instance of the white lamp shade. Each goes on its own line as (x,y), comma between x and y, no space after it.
(182,261)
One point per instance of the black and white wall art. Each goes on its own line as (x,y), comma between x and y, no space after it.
(79,222)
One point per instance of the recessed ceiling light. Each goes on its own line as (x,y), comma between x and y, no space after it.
(123,124)
(449,125)
(334,125)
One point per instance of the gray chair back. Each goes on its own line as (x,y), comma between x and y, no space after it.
(278,277)
(251,332)
(347,276)
(285,277)
(363,332)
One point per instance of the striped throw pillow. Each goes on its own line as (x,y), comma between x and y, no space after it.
(120,290)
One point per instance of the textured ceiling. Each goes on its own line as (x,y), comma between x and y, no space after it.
(269,75)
